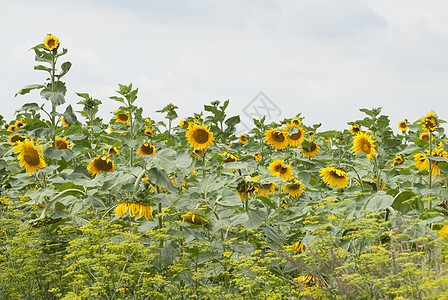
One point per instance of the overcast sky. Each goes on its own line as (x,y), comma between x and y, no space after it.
(325,59)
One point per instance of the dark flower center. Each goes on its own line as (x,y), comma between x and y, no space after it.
(31,157)
(200,136)
(278,136)
(103,164)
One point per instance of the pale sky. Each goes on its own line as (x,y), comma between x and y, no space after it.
(325,59)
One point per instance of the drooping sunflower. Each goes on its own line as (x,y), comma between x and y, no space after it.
(355,129)
(276,138)
(15,138)
(307,280)
(51,42)
(146,149)
(193,218)
(243,139)
(424,136)
(199,136)
(296,135)
(363,143)
(437,152)
(61,143)
(122,118)
(293,187)
(64,122)
(265,188)
(298,247)
(101,164)
(277,168)
(30,156)
(403,125)
(244,189)
(334,177)
(310,150)
(134,209)
(430,122)
(421,162)
(183,123)
(443,232)
(12,128)
(20,123)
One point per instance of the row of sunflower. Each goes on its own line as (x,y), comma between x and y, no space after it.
(206,197)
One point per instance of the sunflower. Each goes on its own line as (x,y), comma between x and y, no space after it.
(12,128)
(135,210)
(311,150)
(296,122)
(101,164)
(298,247)
(306,280)
(30,156)
(51,42)
(183,123)
(61,143)
(355,129)
(257,156)
(122,118)
(296,135)
(15,138)
(283,203)
(243,139)
(276,138)
(334,177)
(438,152)
(193,218)
(244,189)
(430,122)
(363,143)
(20,123)
(265,188)
(293,187)
(277,168)
(199,136)
(64,122)
(112,150)
(424,136)
(398,159)
(403,125)
(147,131)
(146,149)
(443,232)
(421,162)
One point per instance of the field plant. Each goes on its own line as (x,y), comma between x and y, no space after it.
(131,208)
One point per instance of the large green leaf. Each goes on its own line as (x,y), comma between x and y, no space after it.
(57,97)
(379,201)
(28,88)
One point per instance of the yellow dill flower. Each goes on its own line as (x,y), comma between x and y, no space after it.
(363,143)
(276,138)
(30,156)
(334,177)
(199,136)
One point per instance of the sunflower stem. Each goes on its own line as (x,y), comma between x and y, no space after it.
(137,182)
(50,202)
(159,207)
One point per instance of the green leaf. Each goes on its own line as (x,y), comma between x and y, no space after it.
(272,235)
(53,153)
(58,96)
(232,121)
(406,201)
(65,68)
(69,116)
(28,88)
(31,107)
(42,68)
(256,218)
(379,201)
(165,159)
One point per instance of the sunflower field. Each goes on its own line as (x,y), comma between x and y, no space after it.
(133,208)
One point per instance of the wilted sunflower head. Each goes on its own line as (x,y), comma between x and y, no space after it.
(334,177)
(134,209)
(298,247)
(430,122)
(193,218)
(243,139)
(61,143)
(310,148)
(277,168)
(276,138)
(101,164)
(355,129)
(16,138)
(421,162)
(199,136)
(403,125)
(296,135)
(146,149)
(30,155)
(363,143)
(51,42)
(263,189)
(246,188)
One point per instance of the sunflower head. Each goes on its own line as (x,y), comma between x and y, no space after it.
(20,123)
(296,135)
(246,188)
(363,143)
(16,138)
(257,156)
(403,125)
(183,123)
(146,149)
(199,137)
(293,187)
(278,168)
(30,156)
(193,218)
(134,209)
(424,136)
(298,247)
(12,128)
(264,189)
(398,159)
(310,148)
(64,122)
(430,122)
(276,138)
(296,122)
(122,117)
(334,177)
(51,42)
(147,131)
(61,143)
(243,139)
(421,162)
(101,164)
(355,129)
